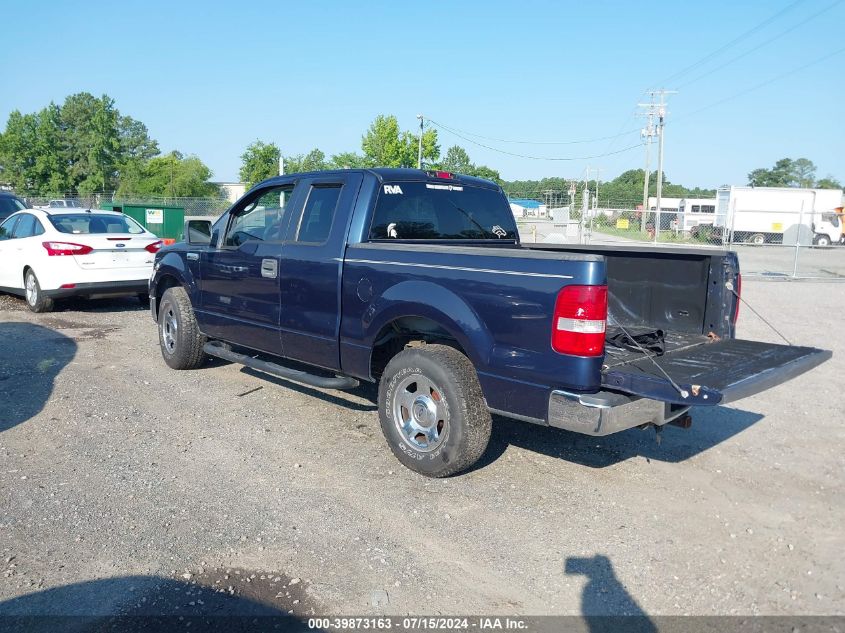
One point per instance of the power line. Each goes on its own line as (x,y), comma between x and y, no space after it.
(765,83)
(455,130)
(736,40)
(761,45)
(553,158)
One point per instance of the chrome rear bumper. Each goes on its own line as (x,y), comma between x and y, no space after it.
(607,412)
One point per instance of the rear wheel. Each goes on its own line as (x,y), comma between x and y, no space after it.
(36,300)
(758,239)
(179,335)
(432,412)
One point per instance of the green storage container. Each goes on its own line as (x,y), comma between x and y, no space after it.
(164,221)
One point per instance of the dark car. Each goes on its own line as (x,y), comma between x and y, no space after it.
(418,281)
(9,204)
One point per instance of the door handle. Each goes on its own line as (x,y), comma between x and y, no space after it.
(193,257)
(269,268)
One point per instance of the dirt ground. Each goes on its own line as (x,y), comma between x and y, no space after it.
(127,487)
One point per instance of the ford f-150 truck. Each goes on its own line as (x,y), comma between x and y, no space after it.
(418,280)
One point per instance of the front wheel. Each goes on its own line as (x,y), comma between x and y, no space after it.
(821,240)
(179,335)
(758,239)
(432,411)
(36,300)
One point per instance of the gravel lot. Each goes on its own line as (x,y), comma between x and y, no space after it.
(127,487)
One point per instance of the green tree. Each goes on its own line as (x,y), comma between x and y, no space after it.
(347,160)
(385,145)
(803,173)
(259,161)
(172,175)
(92,140)
(786,172)
(828,182)
(315,160)
(457,160)
(483,171)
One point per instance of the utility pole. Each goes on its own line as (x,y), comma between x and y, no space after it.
(659,110)
(646,134)
(598,171)
(419,148)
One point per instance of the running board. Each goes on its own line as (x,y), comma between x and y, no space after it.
(220,350)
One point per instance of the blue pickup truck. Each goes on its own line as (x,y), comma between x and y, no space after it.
(417,280)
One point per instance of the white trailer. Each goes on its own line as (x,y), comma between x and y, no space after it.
(694,213)
(778,215)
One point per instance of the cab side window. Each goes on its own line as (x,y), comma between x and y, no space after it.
(318,214)
(260,218)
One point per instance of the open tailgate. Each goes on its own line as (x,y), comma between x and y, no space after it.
(714,372)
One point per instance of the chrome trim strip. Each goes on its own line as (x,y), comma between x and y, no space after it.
(456,268)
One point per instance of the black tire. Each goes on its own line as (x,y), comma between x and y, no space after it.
(822,240)
(452,409)
(179,335)
(36,300)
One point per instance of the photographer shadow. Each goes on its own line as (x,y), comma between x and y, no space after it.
(31,357)
(606,605)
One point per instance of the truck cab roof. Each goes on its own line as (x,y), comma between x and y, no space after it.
(393,174)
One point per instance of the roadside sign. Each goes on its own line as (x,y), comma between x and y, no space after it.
(155,216)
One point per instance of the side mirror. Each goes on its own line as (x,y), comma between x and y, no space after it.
(198,232)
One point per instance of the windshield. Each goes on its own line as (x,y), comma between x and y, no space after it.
(81,223)
(440,211)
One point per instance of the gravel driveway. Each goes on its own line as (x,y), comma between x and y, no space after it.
(126,487)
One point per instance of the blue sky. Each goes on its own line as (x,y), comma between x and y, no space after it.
(210,77)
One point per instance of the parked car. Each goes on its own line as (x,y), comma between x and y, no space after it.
(417,280)
(65,203)
(48,255)
(9,204)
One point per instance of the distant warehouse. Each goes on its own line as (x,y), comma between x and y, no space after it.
(524,208)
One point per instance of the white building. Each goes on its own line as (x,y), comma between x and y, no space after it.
(232,191)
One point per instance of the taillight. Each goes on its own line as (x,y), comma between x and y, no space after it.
(579,322)
(738,295)
(155,247)
(66,248)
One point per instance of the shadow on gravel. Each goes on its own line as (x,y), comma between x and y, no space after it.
(31,356)
(142,603)
(711,427)
(109,304)
(605,603)
(366,390)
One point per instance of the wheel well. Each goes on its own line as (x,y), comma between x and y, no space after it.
(168,281)
(397,334)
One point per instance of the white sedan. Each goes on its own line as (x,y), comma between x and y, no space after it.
(48,254)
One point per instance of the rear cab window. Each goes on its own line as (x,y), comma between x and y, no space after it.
(424,210)
(94,223)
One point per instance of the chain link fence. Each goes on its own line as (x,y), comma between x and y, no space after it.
(776,244)
(211,206)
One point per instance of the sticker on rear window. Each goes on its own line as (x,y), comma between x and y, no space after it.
(392,189)
(445,187)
